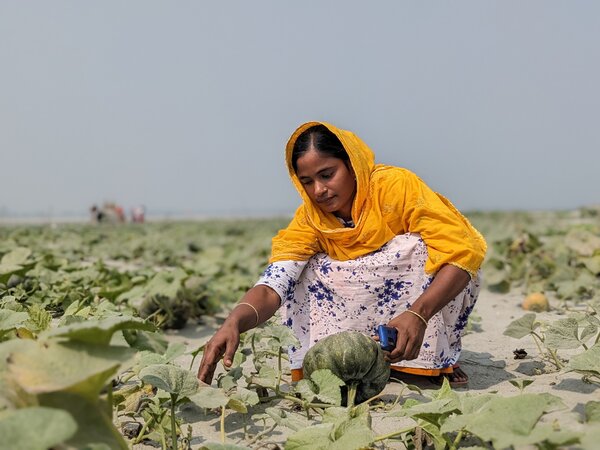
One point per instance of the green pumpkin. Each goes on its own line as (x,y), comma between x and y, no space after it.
(353,357)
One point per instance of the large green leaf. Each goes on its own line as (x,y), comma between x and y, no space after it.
(170,378)
(94,426)
(563,333)
(588,361)
(100,331)
(35,428)
(288,419)
(48,366)
(505,421)
(217,446)
(209,397)
(521,327)
(11,319)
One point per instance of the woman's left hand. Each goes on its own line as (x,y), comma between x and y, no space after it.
(411,331)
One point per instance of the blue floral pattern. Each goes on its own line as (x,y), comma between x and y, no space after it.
(323,296)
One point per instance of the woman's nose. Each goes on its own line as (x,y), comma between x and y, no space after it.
(320,188)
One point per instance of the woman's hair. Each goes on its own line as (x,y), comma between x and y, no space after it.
(322,140)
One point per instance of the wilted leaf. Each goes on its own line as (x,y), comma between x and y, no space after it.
(328,386)
(35,428)
(170,378)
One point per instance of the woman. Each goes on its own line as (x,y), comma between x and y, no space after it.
(371,244)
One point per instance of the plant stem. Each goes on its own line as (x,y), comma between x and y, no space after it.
(222,424)
(173,423)
(109,399)
(391,435)
(457,440)
(351,394)
(538,339)
(279,371)
(301,402)
(555,358)
(261,434)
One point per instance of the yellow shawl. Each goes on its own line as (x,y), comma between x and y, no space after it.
(389,201)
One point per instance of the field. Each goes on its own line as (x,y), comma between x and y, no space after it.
(102,328)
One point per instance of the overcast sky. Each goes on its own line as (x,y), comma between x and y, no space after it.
(186,106)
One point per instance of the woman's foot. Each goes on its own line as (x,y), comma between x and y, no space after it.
(457,378)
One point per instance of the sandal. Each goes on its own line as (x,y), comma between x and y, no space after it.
(458,378)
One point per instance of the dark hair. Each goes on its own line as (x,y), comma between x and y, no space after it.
(322,140)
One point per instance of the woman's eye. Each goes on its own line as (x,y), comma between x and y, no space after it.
(326,176)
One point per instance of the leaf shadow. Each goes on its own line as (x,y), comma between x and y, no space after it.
(483,370)
(576,385)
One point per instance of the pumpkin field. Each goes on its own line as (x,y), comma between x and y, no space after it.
(102,329)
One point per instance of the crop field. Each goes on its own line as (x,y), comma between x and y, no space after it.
(102,329)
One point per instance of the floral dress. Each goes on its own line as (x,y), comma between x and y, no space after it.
(323,296)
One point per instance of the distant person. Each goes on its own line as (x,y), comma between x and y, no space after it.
(97,215)
(371,244)
(138,214)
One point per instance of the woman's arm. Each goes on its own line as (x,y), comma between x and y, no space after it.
(256,306)
(447,284)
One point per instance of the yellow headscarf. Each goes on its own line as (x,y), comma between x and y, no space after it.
(389,201)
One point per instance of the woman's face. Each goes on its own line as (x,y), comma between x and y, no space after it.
(328,181)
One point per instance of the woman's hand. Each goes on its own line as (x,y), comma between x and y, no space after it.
(411,331)
(224,343)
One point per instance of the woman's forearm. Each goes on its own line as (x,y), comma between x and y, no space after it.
(447,284)
(257,306)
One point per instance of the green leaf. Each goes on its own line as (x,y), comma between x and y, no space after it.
(246,396)
(209,397)
(505,421)
(327,386)
(16,257)
(592,411)
(521,327)
(35,428)
(237,405)
(170,378)
(521,383)
(588,361)
(217,446)
(40,367)
(590,438)
(563,333)
(9,320)
(315,437)
(100,331)
(319,437)
(94,426)
(267,377)
(287,419)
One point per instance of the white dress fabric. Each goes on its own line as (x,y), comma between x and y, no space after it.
(323,296)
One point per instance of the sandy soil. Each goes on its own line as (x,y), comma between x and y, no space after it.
(487,358)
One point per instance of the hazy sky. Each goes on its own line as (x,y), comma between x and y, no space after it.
(186,106)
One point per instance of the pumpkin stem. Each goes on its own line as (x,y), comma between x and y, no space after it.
(351,394)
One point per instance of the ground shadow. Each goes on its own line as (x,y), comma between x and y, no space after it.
(483,370)
(576,385)
(531,368)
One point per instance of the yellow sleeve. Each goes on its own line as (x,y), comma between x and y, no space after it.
(449,236)
(297,242)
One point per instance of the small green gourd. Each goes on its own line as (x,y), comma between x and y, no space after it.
(353,357)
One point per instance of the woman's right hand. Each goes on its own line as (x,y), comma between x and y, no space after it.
(224,343)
